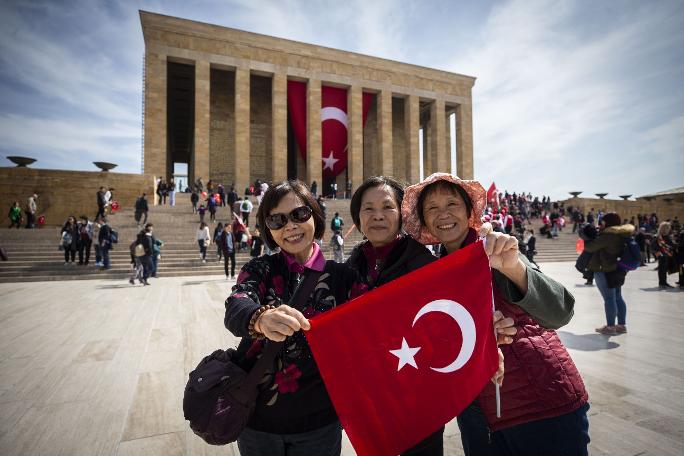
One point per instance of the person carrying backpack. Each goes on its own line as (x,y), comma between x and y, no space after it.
(194,199)
(605,252)
(246,207)
(211,206)
(336,223)
(337,247)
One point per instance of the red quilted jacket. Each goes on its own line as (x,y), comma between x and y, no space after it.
(541,380)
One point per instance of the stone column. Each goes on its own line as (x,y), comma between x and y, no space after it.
(464,141)
(447,141)
(355,136)
(437,124)
(155,115)
(279,127)
(385,132)
(411,126)
(428,166)
(242,132)
(314,138)
(200,148)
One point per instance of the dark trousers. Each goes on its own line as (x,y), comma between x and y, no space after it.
(69,252)
(104,251)
(245,218)
(30,220)
(203,249)
(148,266)
(662,269)
(565,435)
(84,251)
(230,256)
(326,441)
(100,212)
(431,446)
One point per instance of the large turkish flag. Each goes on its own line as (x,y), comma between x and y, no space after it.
(404,359)
(334,123)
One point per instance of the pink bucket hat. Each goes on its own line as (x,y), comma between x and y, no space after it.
(409,207)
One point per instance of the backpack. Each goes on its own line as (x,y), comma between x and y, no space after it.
(630,258)
(66,239)
(336,223)
(139,250)
(244,207)
(113,237)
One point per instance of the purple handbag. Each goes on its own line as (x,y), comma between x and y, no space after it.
(220,396)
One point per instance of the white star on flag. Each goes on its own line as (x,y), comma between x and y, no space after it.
(405,355)
(330,161)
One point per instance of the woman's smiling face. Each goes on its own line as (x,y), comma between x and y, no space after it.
(446,216)
(294,238)
(380,215)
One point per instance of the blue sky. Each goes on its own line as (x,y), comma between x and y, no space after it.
(570,95)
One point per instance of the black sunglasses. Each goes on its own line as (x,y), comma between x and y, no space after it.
(298,215)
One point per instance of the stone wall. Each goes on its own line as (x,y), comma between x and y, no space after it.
(628,209)
(64,193)
(260,128)
(222,126)
(399,145)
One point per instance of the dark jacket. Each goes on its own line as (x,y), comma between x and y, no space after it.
(141,205)
(406,256)
(300,402)
(607,247)
(226,242)
(147,242)
(101,199)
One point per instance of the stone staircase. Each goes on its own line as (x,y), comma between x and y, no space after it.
(34,255)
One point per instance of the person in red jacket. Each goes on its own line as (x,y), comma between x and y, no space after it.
(544,402)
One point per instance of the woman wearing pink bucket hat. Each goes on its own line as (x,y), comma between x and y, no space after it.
(544,406)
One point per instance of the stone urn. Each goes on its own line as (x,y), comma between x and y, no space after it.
(575,194)
(601,195)
(625,197)
(21,162)
(104,166)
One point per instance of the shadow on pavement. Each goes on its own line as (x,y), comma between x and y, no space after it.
(667,290)
(587,342)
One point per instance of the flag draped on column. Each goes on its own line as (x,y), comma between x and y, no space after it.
(404,359)
(334,122)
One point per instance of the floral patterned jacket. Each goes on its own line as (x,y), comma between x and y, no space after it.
(292,397)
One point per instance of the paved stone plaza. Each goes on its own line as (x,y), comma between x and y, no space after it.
(98,367)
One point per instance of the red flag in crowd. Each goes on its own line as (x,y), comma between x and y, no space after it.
(334,123)
(404,359)
(492,197)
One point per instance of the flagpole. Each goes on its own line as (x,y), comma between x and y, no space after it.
(496,385)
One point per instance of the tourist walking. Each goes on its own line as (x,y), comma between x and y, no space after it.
(245,209)
(211,206)
(605,250)
(171,188)
(530,246)
(337,247)
(664,253)
(240,233)
(144,239)
(203,240)
(201,211)
(231,197)
(105,241)
(157,244)
(69,239)
(336,223)
(293,413)
(141,208)
(257,244)
(227,245)
(314,188)
(14,215)
(85,240)
(222,195)
(218,231)
(101,203)
(544,402)
(31,208)
(194,199)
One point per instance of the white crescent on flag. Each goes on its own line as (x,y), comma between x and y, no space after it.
(332,113)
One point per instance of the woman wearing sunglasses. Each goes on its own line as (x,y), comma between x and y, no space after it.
(294,414)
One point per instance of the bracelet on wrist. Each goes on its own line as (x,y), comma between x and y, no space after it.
(252,321)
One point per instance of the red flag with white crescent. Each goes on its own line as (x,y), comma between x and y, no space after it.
(334,123)
(404,359)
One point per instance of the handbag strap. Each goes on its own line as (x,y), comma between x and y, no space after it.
(299,297)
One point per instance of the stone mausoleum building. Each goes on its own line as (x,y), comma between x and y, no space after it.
(224,102)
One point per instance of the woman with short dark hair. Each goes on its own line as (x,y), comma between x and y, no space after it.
(293,414)
(605,250)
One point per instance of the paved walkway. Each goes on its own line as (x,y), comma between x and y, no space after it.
(98,367)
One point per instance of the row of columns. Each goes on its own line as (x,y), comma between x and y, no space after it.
(199,166)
